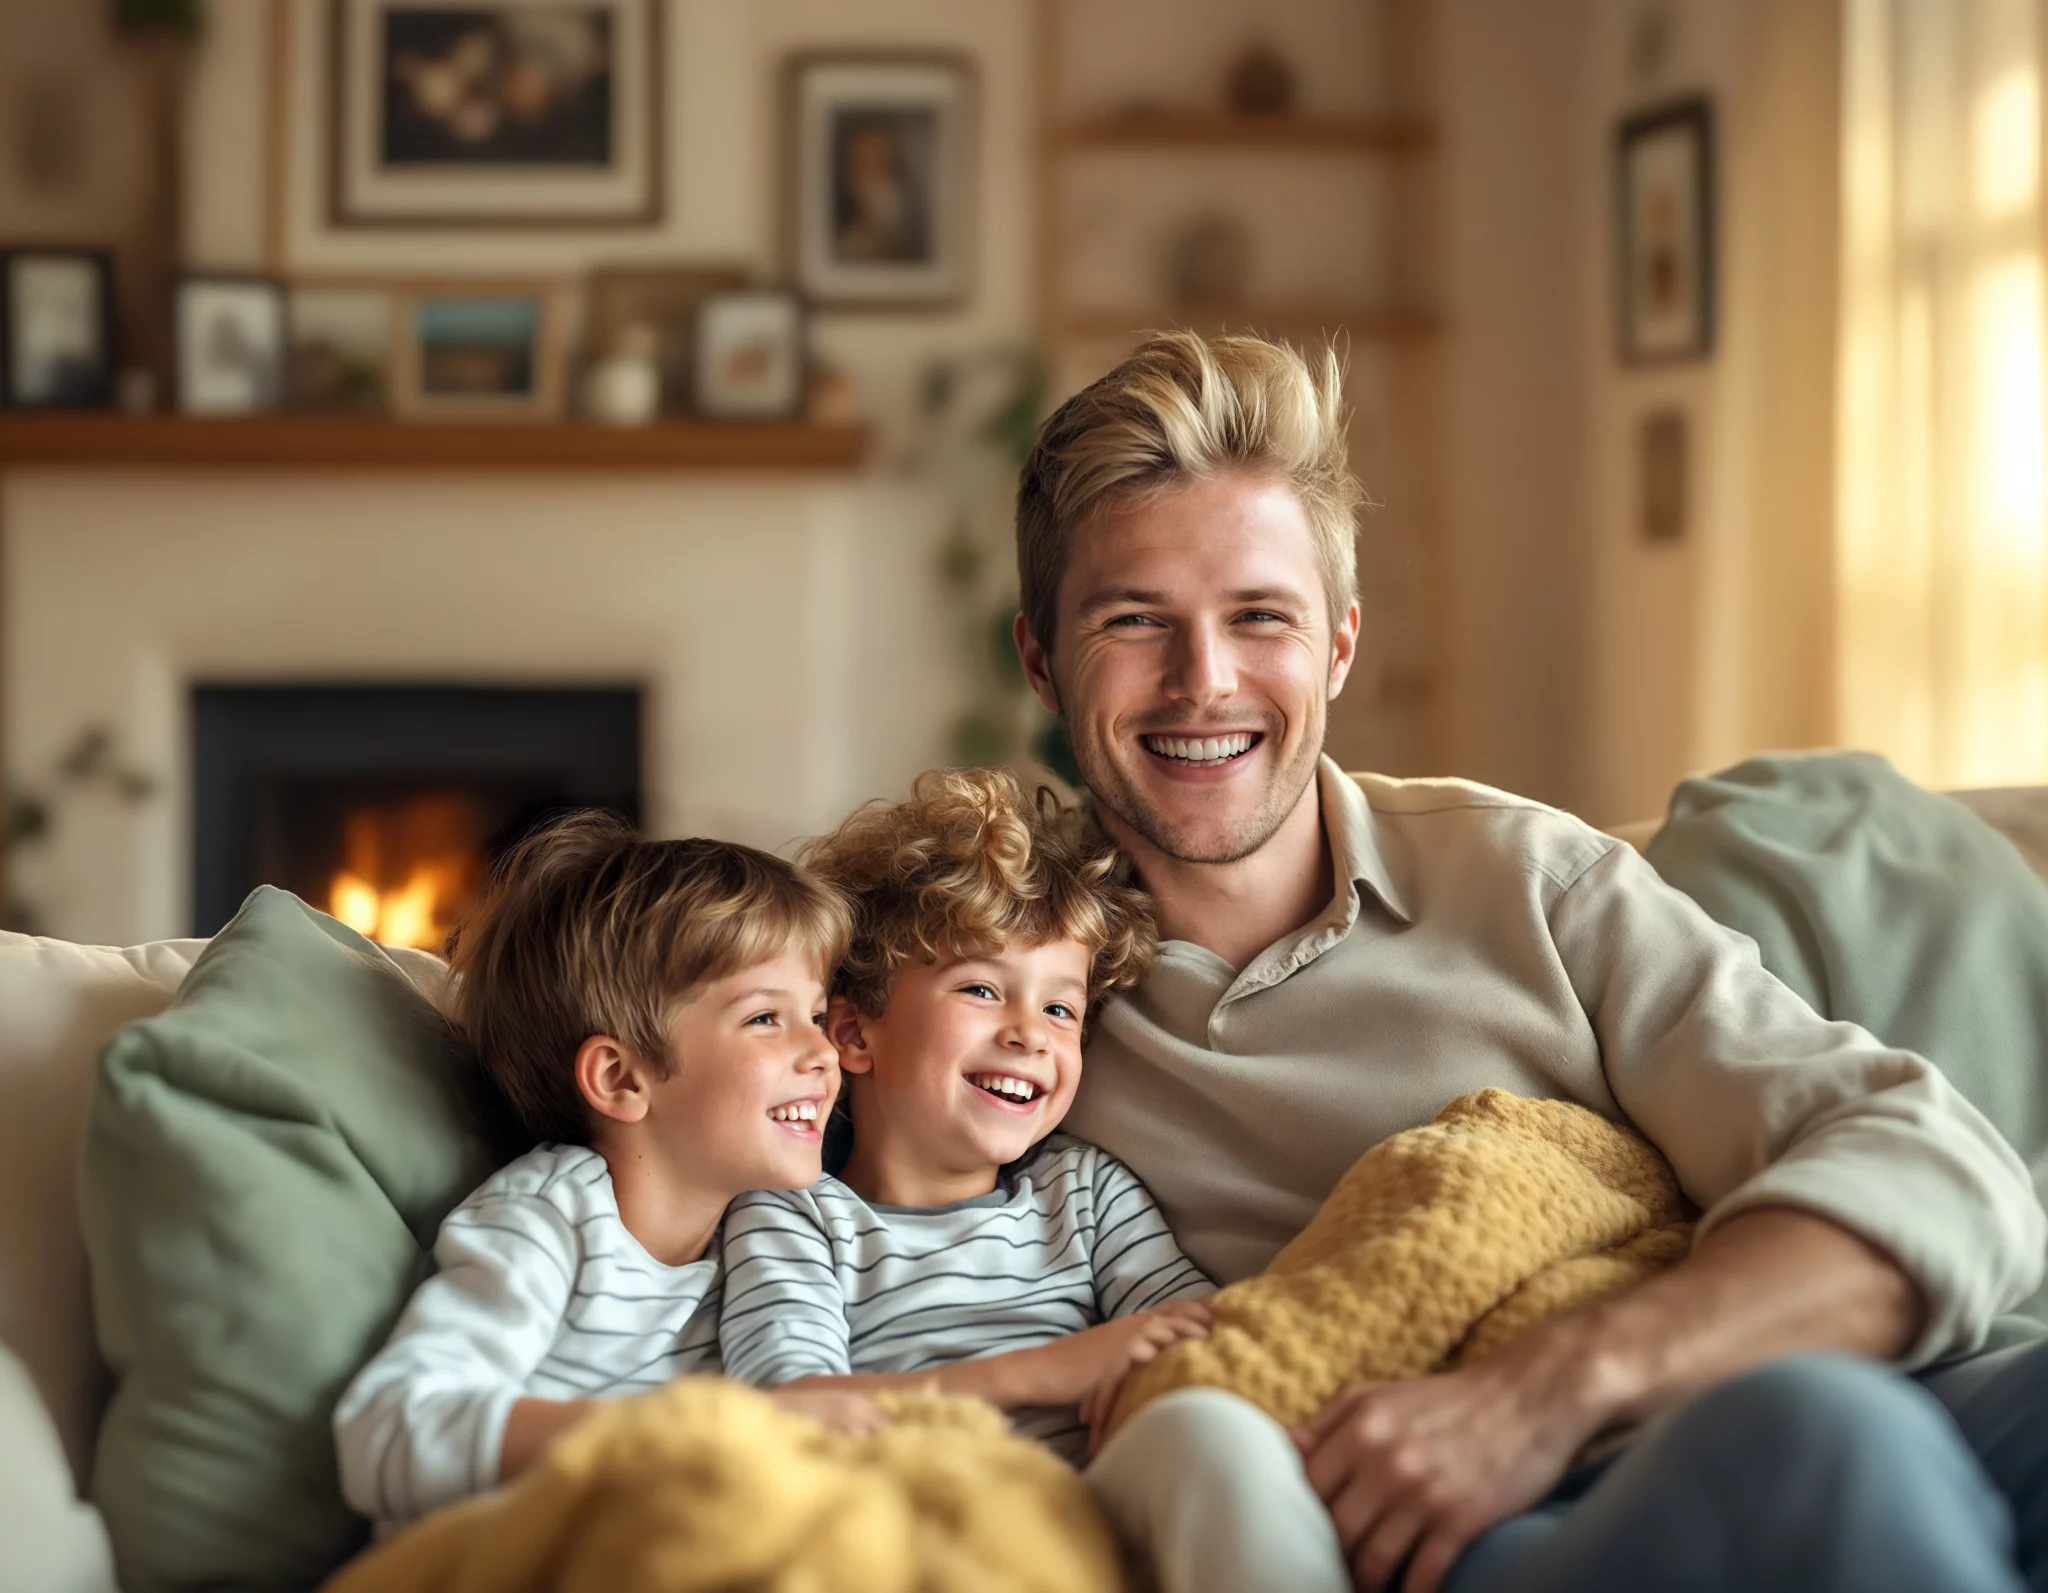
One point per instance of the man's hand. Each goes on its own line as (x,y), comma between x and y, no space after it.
(840,1409)
(1413,1471)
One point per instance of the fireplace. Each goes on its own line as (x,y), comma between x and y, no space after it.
(385,805)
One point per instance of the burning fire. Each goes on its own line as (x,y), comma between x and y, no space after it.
(410,869)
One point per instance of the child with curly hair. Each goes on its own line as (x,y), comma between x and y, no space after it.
(964,1244)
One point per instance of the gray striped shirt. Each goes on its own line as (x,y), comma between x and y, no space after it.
(539,1292)
(819,1283)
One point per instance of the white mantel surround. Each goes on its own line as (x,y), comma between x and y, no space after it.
(787,630)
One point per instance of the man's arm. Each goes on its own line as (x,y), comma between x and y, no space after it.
(1423,1467)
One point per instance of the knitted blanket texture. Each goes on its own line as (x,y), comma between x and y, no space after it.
(1439,1246)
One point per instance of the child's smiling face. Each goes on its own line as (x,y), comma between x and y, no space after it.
(973,1061)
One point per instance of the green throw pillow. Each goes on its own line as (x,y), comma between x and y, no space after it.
(266,1165)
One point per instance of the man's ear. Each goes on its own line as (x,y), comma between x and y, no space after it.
(1037,666)
(612,1079)
(1344,648)
(847,1031)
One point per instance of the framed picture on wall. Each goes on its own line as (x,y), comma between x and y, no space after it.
(56,328)
(492,351)
(234,348)
(880,179)
(1664,170)
(494,113)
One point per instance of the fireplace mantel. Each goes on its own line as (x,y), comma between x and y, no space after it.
(328,442)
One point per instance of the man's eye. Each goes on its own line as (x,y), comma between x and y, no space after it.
(1129,622)
(1263,616)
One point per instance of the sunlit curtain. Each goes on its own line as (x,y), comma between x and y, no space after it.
(1942,594)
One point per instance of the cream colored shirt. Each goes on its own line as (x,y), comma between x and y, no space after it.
(1479,939)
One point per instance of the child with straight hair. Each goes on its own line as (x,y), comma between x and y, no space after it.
(653,1010)
(966,1245)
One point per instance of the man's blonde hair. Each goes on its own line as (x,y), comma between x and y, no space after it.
(587,929)
(969,864)
(1182,409)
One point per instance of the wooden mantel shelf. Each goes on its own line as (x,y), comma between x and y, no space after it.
(316,442)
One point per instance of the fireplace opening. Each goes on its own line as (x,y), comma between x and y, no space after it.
(386,805)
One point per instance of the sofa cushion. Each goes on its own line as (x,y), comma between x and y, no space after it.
(54,1543)
(266,1164)
(1887,906)
(62,1004)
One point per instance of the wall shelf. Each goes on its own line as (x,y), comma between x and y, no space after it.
(1363,325)
(1167,129)
(311,442)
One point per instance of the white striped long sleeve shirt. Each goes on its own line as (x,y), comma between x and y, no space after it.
(821,1284)
(539,1292)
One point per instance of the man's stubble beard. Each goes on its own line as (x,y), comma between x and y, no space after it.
(1119,796)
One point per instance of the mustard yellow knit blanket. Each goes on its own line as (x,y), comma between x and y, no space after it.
(1439,1246)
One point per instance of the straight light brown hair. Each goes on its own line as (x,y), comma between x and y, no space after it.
(586,928)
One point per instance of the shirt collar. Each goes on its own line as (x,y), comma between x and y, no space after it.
(1354,834)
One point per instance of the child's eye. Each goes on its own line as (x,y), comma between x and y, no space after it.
(987,991)
(762,1018)
(818,1018)
(1059,1009)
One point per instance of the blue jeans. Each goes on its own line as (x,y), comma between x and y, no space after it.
(1820,1474)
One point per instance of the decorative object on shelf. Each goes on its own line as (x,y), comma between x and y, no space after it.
(1209,262)
(1664,192)
(56,328)
(233,346)
(664,297)
(750,354)
(495,113)
(340,348)
(1661,464)
(624,388)
(93,760)
(881,179)
(1260,82)
(489,351)
(831,397)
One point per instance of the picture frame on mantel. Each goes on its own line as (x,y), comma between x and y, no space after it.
(494,114)
(468,351)
(1665,233)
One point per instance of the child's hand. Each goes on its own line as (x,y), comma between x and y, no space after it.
(855,1415)
(1075,1367)
(1189,1319)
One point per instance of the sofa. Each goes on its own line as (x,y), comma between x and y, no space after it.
(62,1003)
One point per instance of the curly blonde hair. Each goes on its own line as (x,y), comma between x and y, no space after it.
(968,864)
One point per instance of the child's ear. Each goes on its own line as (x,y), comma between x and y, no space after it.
(847,1031)
(611,1079)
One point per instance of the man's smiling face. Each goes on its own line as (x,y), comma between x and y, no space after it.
(1194,660)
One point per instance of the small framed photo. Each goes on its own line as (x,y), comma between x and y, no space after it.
(56,328)
(233,350)
(881,177)
(488,352)
(750,355)
(340,348)
(1664,172)
(495,113)
(664,300)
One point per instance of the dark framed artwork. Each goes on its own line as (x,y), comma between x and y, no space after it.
(880,166)
(489,351)
(56,328)
(495,113)
(749,352)
(234,344)
(1665,227)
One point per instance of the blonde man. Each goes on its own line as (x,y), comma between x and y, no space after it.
(1341,955)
